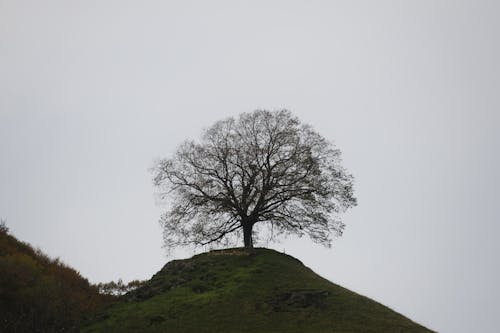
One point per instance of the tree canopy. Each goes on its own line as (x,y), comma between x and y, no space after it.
(262,169)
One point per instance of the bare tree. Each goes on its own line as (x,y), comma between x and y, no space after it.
(264,168)
(3,226)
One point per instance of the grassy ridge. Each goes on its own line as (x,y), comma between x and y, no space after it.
(234,291)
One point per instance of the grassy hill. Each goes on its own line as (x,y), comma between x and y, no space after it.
(39,294)
(237,291)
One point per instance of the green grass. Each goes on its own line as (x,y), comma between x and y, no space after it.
(233,291)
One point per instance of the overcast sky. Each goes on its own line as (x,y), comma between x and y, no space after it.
(91,92)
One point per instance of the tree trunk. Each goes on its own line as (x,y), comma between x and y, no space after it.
(247,235)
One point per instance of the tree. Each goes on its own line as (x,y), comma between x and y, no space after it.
(264,168)
(3,227)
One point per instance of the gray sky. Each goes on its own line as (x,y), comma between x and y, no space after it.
(91,92)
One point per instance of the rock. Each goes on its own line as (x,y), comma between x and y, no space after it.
(300,298)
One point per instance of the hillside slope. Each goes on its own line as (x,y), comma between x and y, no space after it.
(234,291)
(39,294)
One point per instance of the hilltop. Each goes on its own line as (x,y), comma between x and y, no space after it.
(238,291)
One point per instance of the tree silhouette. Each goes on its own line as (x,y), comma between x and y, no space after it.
(264,168)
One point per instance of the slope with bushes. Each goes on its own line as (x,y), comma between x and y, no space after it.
(39,294)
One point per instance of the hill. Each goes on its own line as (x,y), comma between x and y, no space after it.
(237,291)
(39,294)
